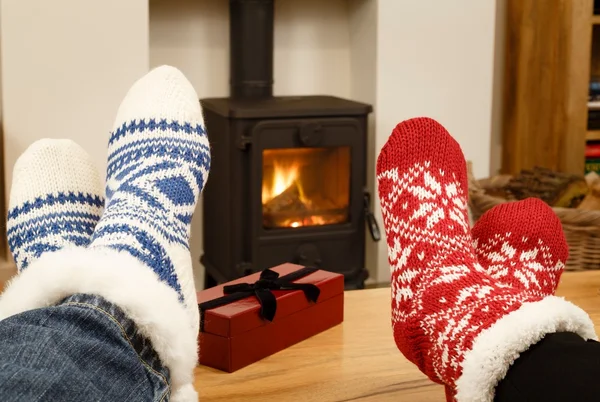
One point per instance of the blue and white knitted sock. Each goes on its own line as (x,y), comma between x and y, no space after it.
(158,162)
(55,200)
(139,257)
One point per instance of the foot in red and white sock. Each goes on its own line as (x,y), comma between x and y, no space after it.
(523,245)
(458,325)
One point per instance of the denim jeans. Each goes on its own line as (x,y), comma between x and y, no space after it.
(83,349)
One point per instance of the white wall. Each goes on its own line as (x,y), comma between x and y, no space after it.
(66,65)
(436,58)
(193,35)
(312,47)
(363,28)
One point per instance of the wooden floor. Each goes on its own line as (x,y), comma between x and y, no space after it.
(583,289)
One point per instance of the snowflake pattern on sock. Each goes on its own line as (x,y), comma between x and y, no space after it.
(522,244)
(535,269)
(426,201)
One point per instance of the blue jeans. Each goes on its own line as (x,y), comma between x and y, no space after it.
(83,349)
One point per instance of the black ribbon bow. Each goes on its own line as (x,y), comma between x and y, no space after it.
(262,289)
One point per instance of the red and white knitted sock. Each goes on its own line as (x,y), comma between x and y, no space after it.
(458,325)
(522,244)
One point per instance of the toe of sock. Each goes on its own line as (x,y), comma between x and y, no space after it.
(47,167)
(418,140)
(531,223)
(163,93)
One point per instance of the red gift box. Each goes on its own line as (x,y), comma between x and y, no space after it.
(237,334)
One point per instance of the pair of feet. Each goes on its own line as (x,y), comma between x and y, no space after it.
(131,248)
(466,303)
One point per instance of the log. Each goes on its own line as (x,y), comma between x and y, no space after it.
(287,201)
(555,188)
(592,201)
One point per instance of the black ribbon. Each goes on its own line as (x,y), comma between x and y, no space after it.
(262,289)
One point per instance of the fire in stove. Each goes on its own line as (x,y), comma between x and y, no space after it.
(305,187)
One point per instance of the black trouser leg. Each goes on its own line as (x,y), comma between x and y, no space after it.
(560,368)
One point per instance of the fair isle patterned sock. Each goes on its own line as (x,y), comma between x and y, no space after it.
(523,245)
(139,257)
(55,200)
(158,163)
(458,325)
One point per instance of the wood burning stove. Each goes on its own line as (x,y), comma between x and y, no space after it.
(287,181)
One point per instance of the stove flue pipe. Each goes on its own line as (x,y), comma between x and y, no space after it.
(251,48)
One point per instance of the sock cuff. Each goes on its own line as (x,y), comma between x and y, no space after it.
(496,348)
(124,281)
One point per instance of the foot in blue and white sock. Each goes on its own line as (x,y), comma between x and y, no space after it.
(55,200)
(139,256)
(158,162)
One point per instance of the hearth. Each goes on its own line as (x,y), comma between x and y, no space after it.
(287,182)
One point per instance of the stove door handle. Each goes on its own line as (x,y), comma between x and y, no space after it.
(370,218)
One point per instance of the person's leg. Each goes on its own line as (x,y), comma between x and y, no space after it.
(83,349)
(561,367)
(139,256)
(459,325)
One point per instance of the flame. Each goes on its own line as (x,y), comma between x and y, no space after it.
(284,176)
(282,173)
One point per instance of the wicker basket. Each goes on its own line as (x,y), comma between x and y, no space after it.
(582,228)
